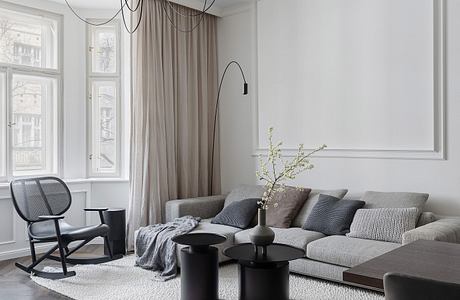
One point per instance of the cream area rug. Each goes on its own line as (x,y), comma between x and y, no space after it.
(121,280)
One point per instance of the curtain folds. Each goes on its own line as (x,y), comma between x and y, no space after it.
(174,96)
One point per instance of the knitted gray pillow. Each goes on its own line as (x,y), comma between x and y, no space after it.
(332,216)
(237,214)
(383,224)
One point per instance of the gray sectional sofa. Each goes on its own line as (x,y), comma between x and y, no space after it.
(326,256)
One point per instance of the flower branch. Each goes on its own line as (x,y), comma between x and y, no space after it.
(274,181)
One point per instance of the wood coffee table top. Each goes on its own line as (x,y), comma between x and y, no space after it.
(428,259)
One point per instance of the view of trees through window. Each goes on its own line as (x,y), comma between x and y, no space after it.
(29,111)
(104,52)
(103,71)
(29,43)
(27,40)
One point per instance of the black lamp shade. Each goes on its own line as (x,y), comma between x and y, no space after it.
(245,88)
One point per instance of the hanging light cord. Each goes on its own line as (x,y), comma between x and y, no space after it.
(140,5)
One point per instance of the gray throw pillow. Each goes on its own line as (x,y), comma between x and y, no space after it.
(383,224)
(332,216)
(237,214)
(312,199)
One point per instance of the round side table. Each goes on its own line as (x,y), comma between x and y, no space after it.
(264,276)
(116,219)
(199,265)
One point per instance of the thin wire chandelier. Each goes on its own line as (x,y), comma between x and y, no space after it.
(167,7)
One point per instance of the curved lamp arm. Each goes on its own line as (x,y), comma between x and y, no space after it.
(245,92)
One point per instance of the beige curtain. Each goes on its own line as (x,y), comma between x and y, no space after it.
(175,89)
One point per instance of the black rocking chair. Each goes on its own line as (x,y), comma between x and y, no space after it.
(41,203)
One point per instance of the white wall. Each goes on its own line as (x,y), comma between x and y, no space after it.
(235,38)
(85,192)
(239,124)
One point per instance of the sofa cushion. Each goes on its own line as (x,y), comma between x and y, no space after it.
(208,227)
(383,224)
(285,206)
(346,251)
(293,236)
(237,214)
(332,216)
(244,191)
(394,199)
(312,199)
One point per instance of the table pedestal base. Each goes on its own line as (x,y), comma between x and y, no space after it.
(199,274)
(264,282)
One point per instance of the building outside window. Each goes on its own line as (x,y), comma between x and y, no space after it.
(104,99)
(30,77)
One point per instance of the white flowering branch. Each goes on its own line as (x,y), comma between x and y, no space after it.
(274,180)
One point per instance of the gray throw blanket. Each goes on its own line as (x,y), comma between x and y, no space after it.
(156,251)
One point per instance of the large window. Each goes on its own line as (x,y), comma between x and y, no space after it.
(30,79)
(104,98)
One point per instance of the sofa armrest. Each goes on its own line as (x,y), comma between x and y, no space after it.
(203,207)
(445,230)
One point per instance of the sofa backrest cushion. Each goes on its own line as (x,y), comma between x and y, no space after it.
(394,200)
(285,206)
(383,224)
(244,191)
(332,216)
(306,209)
(426,218)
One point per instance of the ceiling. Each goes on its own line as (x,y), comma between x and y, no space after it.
(221,4)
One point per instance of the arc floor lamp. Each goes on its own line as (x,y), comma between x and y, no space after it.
(216,111)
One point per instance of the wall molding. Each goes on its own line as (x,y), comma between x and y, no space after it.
(237,9)
(438,149)
(13,241)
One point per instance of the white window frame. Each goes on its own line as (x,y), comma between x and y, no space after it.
(57,73)
(95,76)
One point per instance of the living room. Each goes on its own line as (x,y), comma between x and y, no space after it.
(150,115)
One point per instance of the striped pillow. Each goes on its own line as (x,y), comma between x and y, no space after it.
(383,224)
(332,216)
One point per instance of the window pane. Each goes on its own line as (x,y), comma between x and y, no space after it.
(104,113)
(104,50)
(27,39)
(34,118)
(2,124)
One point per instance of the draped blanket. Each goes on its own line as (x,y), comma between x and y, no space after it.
(155,249)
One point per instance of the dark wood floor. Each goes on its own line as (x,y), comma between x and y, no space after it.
(17,285)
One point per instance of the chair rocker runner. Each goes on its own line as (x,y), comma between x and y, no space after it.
(41,203)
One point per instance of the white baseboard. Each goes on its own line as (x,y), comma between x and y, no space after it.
(22,252)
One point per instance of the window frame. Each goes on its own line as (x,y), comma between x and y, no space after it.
(56,73)
(97,76)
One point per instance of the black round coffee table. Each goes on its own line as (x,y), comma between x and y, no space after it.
(264,276)
(199,265)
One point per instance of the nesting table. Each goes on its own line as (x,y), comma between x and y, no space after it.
(264,276)
(199,265)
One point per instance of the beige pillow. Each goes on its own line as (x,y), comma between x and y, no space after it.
(289,202)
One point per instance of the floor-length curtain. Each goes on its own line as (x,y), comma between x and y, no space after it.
(174,94)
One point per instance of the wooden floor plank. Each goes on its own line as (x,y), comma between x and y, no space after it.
(17,285)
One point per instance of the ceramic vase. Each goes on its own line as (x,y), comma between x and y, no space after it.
(261,235)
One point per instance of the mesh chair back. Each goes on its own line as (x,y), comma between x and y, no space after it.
(34,197)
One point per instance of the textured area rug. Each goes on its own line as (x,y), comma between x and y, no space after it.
(121,280)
